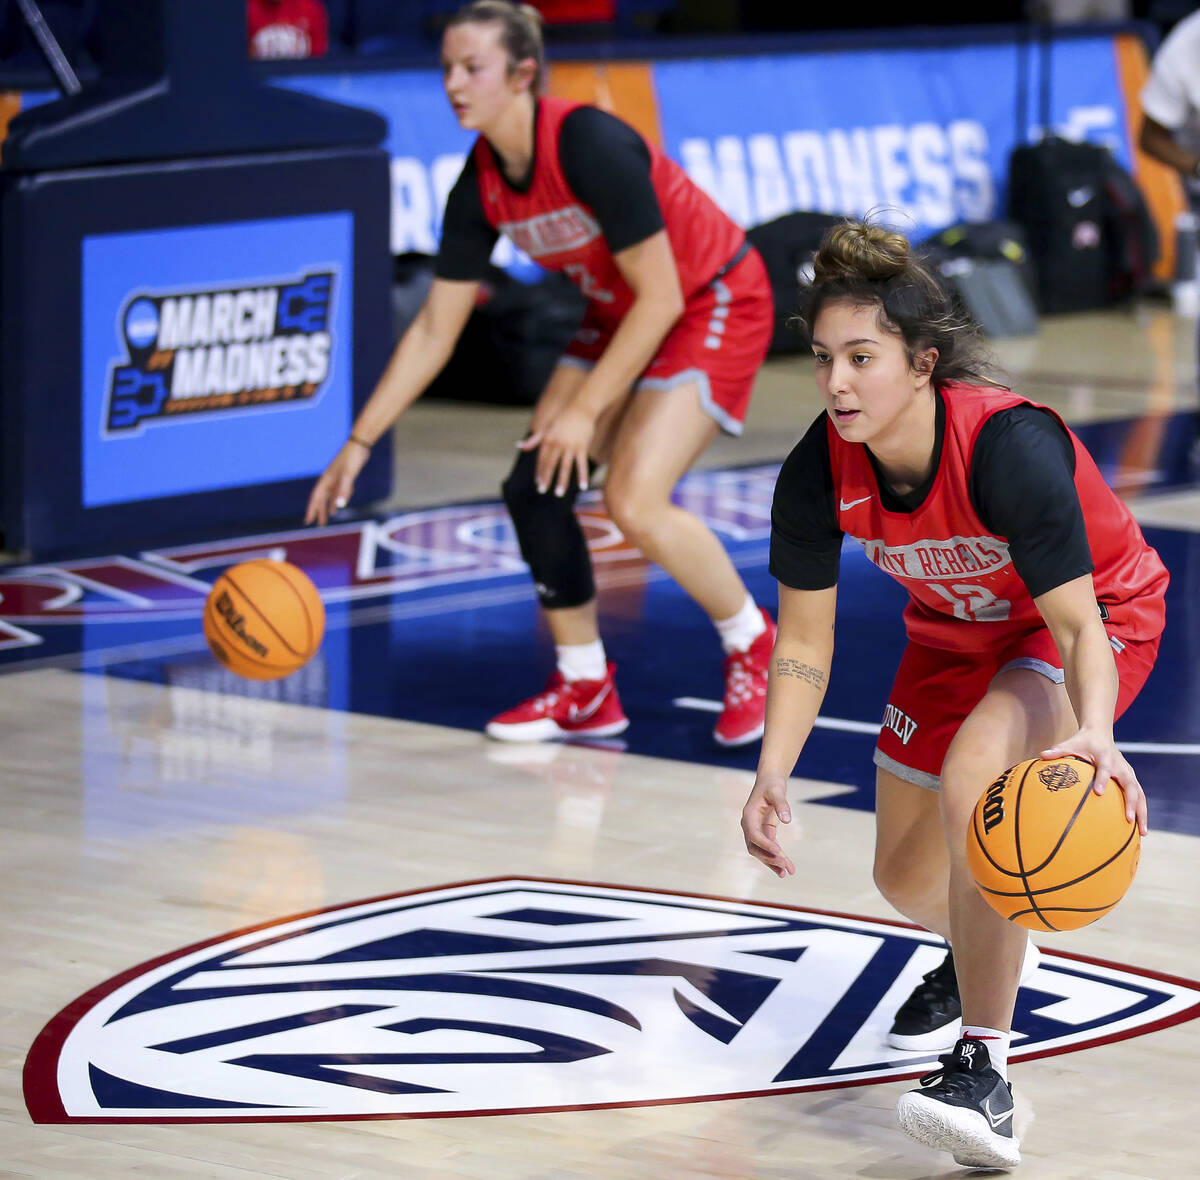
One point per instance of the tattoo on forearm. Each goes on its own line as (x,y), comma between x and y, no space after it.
(810,674)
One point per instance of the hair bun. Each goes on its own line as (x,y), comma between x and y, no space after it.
(859,250)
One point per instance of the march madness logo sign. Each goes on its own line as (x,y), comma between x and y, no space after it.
(517,995)
(220,348)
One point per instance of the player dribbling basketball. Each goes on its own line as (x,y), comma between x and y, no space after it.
(679,318)
(1034,616)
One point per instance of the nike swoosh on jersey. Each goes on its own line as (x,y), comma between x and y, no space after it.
(842,505)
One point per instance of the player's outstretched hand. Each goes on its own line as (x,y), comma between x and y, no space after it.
(562,446)
(1101,751)
(333,489)
(765,810)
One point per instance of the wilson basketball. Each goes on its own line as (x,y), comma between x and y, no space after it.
(1046,851)
(264,619)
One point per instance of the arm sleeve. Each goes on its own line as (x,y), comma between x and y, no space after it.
(806,542)
(607,165)
(1023,488)
(467,238)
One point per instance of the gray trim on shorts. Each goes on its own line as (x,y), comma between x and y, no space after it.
(726,422)
(918,778)
(576,362)
(933,782)
(1051,673)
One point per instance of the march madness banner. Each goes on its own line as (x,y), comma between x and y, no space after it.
(923,132)
(214,356)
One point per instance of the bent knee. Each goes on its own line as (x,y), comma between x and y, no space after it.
(897,879)
(908,873)
(634,511)
(519,486)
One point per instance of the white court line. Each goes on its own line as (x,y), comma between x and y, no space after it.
(705,706)
(821,722)
(1159,747)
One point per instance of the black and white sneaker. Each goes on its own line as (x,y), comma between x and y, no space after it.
(965,1108)
(930,1018)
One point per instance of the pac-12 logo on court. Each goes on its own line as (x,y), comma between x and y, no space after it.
(516,995)
(220,348)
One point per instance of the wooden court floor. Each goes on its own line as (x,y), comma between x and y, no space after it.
(143,818)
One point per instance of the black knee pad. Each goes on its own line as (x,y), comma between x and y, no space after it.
(551,540)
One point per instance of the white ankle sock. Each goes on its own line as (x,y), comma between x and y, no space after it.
(739,631)
(997,1042)
(582,661)
(1030,964)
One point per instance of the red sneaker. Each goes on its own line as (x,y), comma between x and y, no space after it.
(564,708)
(746,673)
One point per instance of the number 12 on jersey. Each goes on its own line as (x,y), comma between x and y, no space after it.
(973,603)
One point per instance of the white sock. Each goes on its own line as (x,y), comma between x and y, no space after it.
(1030,965)
(582,661)
(997,1043)
(739,631)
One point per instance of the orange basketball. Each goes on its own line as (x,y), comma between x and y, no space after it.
(1046,851)
(264,619)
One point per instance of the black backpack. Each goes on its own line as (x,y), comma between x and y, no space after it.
(1056,195)
(787,246)
(1087,224)
(1130,236)
(1089,228)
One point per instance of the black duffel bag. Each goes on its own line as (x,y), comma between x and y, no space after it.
(787,246)
(512,341)
(987,265)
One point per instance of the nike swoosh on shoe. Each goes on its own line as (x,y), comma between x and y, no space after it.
(575,713)
(995,1118)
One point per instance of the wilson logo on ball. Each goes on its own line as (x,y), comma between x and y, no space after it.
(993,804)
(236,623)
(264,619)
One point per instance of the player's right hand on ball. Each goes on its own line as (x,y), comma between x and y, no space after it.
(765,810)
(333,489)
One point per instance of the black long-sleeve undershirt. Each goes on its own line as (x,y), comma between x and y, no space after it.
(1021,485)
(605,162)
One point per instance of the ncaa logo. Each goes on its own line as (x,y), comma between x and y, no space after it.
(141,323)
(1058,776)
(514,995)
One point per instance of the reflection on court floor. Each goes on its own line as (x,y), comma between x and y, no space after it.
(432,618)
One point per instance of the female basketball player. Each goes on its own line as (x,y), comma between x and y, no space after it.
(679,319)
(1034,618)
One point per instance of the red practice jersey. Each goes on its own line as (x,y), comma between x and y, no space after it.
(287,28)
(574,12)
(560,232)
(957,572)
